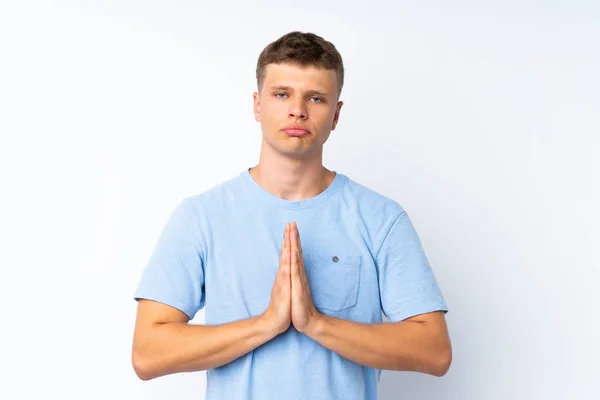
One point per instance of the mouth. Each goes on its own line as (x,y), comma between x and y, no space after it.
(295,131)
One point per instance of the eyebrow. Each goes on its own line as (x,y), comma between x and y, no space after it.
(289,89)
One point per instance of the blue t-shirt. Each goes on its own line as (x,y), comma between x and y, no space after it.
(220,250)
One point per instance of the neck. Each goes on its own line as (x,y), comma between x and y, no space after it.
(292,179)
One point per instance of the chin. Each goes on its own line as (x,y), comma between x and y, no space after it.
(292,151)
(290,146)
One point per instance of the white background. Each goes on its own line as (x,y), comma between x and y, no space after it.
(481,120)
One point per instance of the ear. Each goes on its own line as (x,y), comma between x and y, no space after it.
(336,116)
(256,97)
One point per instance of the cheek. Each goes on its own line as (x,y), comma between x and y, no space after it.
(326,117)
(270,111)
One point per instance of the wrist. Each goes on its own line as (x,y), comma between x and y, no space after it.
(315,325)
(268,326)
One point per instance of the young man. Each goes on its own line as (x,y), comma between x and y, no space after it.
(295,263)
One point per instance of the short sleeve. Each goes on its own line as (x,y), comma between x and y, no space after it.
(407,284)
(174,274)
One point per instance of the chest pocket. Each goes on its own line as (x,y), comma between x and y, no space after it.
(334,280)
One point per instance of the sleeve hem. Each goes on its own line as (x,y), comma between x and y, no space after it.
(189,311)
(404,314)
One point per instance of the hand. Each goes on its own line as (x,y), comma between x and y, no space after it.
(304,312)
(278,313)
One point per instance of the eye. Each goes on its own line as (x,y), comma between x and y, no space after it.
(317,99)
(278,95)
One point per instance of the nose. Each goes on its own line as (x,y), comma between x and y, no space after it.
(298,110)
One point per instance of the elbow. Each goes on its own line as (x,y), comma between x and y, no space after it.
(441,363)
(141,366)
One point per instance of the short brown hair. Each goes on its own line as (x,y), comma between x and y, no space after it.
(304,49)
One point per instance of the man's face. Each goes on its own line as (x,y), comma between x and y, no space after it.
(297,108)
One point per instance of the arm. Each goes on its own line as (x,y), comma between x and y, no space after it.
(419,344)
(164,343)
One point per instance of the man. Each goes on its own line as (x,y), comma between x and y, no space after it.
(294,263)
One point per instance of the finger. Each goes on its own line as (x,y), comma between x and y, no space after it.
(283,245)
(298,244)
(290,244)
(285,252)
(287,258)
(294,249)
(297,247)
(300,259)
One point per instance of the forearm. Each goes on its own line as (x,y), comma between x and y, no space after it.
(169,348)
(404,346)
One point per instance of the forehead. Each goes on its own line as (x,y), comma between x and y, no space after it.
(300,77)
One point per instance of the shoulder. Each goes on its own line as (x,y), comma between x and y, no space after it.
(216,197)
(371,202)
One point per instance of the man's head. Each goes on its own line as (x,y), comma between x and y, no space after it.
(304,50)
(299,78)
